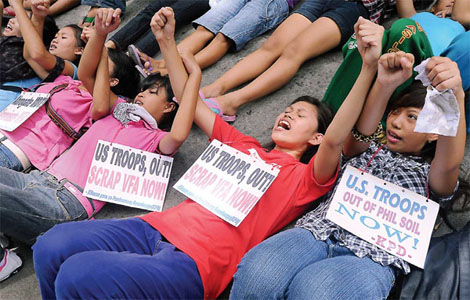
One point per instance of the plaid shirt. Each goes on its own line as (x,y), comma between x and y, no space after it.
(410,172)
(380,10)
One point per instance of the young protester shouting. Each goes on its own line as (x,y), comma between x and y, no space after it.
(34,202)
(187,252)
(61,57)
(320,260)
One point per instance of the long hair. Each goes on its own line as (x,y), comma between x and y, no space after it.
(80,43)
(158,81)
(125,72)
(414,96)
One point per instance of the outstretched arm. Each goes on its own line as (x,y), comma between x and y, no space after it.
(34,51)
(444,74)
(393,70)
(162,25)
(369,42)
(93,69)
(185,115)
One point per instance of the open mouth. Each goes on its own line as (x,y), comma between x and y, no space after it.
(393,137)
(138,102)
(283,124)
(52,47)
(9,27)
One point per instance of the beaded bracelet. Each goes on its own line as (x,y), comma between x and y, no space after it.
(378,134)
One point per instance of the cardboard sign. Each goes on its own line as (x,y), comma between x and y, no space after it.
(132,177)
(21,109)
(388,216)
(227,182)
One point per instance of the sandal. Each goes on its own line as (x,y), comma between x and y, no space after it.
(215,107)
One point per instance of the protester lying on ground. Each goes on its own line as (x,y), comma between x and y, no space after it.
(320,260)
(187,252)
(34,202)
(61,57)
(13,65)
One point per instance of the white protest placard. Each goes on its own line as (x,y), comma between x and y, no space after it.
(388,216)
(227,182)
(128,176)
(21,109)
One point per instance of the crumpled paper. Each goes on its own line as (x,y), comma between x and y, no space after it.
(127,112)
(440,114)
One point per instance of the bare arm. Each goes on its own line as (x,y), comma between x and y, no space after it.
(405,8)
(163,27)
(184,117)
(93,69)
(394,69)
(369,40)
(61,6)
(34,51)
(444,172)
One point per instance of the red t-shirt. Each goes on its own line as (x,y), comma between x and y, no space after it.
(215,245)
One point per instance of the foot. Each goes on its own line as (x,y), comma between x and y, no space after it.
(227,103)
(212,90)
(10,264)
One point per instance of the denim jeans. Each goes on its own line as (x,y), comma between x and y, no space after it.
(32,203)
(137,31)
(9,160)
(243,20)
(113,259)
(293,264)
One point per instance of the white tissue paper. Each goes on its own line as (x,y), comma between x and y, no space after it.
(440,113)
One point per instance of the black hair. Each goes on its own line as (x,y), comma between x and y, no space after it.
(414,96)
(49,31)
(324,118)
(158,81)
(125,72)
(77,30)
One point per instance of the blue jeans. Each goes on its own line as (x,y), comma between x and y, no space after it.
(137,31)
(293,264)
(243,20)
(118,259)
(32,203)
(8,159)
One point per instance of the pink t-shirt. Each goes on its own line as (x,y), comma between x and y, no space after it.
(42,140)
(75,163)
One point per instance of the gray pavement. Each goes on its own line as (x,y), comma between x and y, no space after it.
(255,119)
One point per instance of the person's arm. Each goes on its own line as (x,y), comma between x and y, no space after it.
(405,8)
(107,20)
(461,12)
(185,116)
(93,69)
(61,6)
(393,70)
(204,117)
(34,51)
(163,27)
(444,74)
(369,42)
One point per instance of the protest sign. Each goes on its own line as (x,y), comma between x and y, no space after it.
(132,177)
(21,109)
(388,216)
(227,182)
